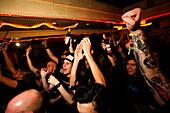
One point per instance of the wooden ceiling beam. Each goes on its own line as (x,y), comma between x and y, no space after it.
(66,9)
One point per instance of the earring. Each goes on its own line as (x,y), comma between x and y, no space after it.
(94,106)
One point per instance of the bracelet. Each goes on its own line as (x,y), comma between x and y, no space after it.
(58,85)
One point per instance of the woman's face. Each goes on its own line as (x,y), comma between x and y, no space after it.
(131,67)
(67,65)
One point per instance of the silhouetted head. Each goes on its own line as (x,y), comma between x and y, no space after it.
(28,101)
(89,98)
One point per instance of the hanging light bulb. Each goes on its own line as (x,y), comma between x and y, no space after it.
(17,44)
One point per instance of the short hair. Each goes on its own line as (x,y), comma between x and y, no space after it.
(89,93)
(35,105)
(31,101)
(55,65)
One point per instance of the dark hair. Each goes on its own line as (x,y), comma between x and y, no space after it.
(131,56)
(90,93)
(29,77)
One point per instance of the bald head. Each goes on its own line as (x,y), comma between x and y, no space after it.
(51,66)
(28,101)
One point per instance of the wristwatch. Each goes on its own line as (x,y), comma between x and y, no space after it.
(58,85)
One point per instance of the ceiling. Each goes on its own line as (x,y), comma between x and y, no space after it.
(81,28)
(120,3)
(61,22)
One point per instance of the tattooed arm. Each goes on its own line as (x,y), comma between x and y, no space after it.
(150,70)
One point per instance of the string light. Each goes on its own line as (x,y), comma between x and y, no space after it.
(119,27)
(146,24)
(142,24)
(37,25)
(156,16)
(9,42)
(3,40)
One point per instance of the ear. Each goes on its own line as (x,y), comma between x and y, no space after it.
(94,105)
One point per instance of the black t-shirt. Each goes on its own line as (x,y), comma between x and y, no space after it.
(138,91)
(61,105)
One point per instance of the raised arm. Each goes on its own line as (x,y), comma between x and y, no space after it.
(43,74)
(97,74)
(132,19)
(71,50)
(111,60)
(77,57)
(7,60)
(66,95)
(110,57)
(145,61)
(32,68)
(50,54)
(7,81)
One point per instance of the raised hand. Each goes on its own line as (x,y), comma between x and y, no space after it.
(53,80)
(103,46)
(43,72)
(28,50)
(78,55)
(3,48)
(132,19)
(128,44)
(44,43)
(86,44)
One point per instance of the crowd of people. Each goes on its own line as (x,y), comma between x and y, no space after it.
(89,77)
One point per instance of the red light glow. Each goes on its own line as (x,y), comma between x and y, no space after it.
(80,19)
(156,16)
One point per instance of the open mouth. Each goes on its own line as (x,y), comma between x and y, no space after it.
(64,70)
(130,71)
